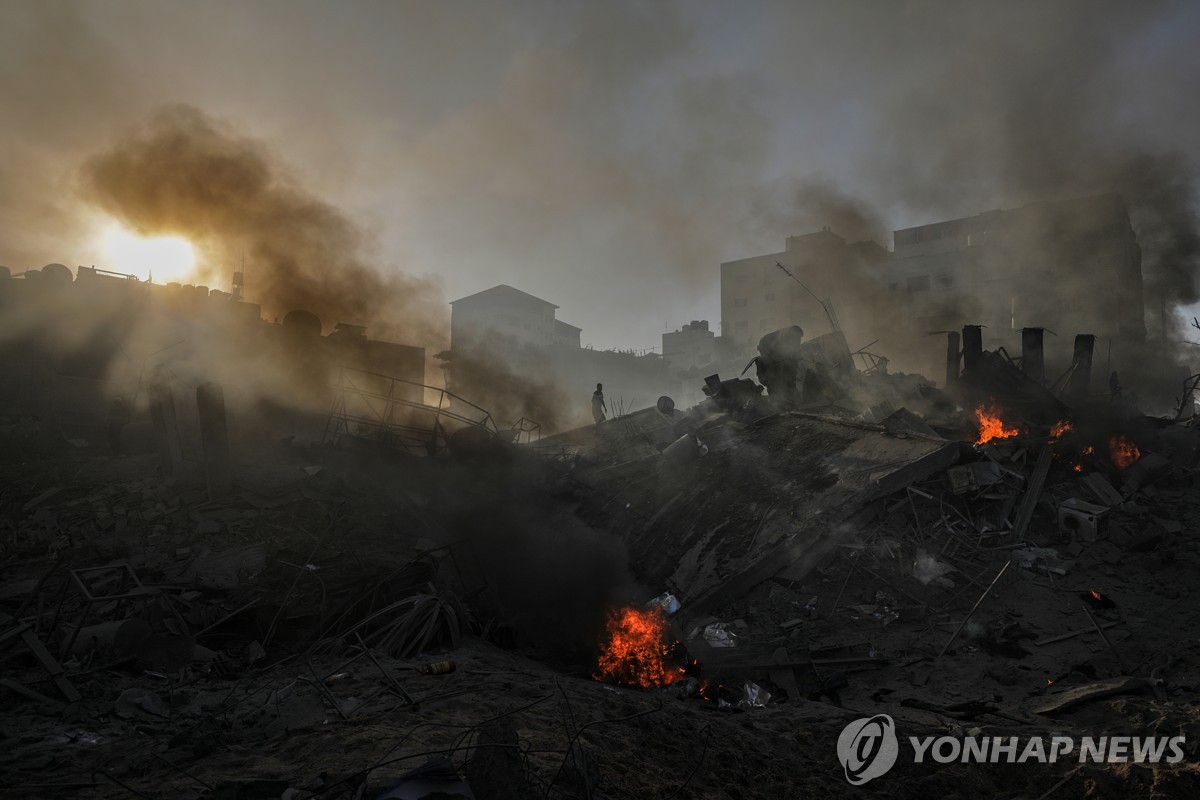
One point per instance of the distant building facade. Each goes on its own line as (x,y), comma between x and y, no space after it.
(758,297)
(510,353)
(509,318)
(692,346)
(1072,266)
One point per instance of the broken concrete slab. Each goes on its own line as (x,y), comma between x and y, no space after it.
(829,470)
(904,422)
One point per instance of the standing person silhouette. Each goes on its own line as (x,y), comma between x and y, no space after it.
(599,409)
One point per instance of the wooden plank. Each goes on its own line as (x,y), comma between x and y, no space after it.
(25,691)
(1063,637)
(1090,691)
(1030,500)
(51,665)
(1103,490)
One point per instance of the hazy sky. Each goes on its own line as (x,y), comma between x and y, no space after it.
(607,156)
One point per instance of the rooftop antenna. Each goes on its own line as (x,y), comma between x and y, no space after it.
(833,323)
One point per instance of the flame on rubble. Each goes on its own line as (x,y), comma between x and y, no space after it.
(1059,430)
(992,426)
(1123,451)
(636,651)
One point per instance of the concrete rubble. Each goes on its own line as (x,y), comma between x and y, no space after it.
(339,619)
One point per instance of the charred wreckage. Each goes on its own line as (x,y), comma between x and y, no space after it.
(672,603)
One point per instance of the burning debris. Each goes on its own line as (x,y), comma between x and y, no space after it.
(992,425)
(1123,451)
(636,651)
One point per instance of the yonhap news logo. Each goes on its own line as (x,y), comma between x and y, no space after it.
(869,747)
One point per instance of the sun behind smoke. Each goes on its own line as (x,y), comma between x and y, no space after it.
(165,258)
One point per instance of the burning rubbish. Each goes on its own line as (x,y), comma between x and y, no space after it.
(992,425)
(636,651)
(1059,430)
(1123,451)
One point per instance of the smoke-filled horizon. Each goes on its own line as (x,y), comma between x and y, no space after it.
(382,159)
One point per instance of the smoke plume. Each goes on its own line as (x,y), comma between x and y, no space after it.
(186,174)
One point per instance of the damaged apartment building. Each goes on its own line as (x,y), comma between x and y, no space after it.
(83,348)
(1069,267)
(886,308)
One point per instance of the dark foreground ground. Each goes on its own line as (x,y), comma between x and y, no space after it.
(275,645)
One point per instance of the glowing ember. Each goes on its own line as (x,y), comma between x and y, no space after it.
(1097,595)
(1123,451)
(991,426)
(1059,429)
(636,651)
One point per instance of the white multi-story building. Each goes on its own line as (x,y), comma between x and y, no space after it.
(507,318)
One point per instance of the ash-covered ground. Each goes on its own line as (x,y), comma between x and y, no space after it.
(346,612)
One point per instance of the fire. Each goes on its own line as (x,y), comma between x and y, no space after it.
(636,651)
(1059,430)
(1097,595)
(1123,451)
(991,426)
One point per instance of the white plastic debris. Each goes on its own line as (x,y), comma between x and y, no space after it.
(1042,560)
(667,601)
(753,696)
(927,569)
(718,635)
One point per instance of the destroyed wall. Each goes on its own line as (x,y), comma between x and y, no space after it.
(757,297)
(1017,268)
(80,354)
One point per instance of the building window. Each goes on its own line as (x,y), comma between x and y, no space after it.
(944,281)
(918,283)
(742,326)
(739,302)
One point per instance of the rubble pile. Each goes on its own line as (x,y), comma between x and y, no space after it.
(355,621)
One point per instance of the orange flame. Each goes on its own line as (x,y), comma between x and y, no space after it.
(991,426)
(1059,430)
(636,651)
(1096,594)
(1124,452)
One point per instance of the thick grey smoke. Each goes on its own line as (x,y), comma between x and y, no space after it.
(186,174)
(612,155)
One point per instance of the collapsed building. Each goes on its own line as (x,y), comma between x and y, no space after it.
(1071,266)
(687,599)
(78,354)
